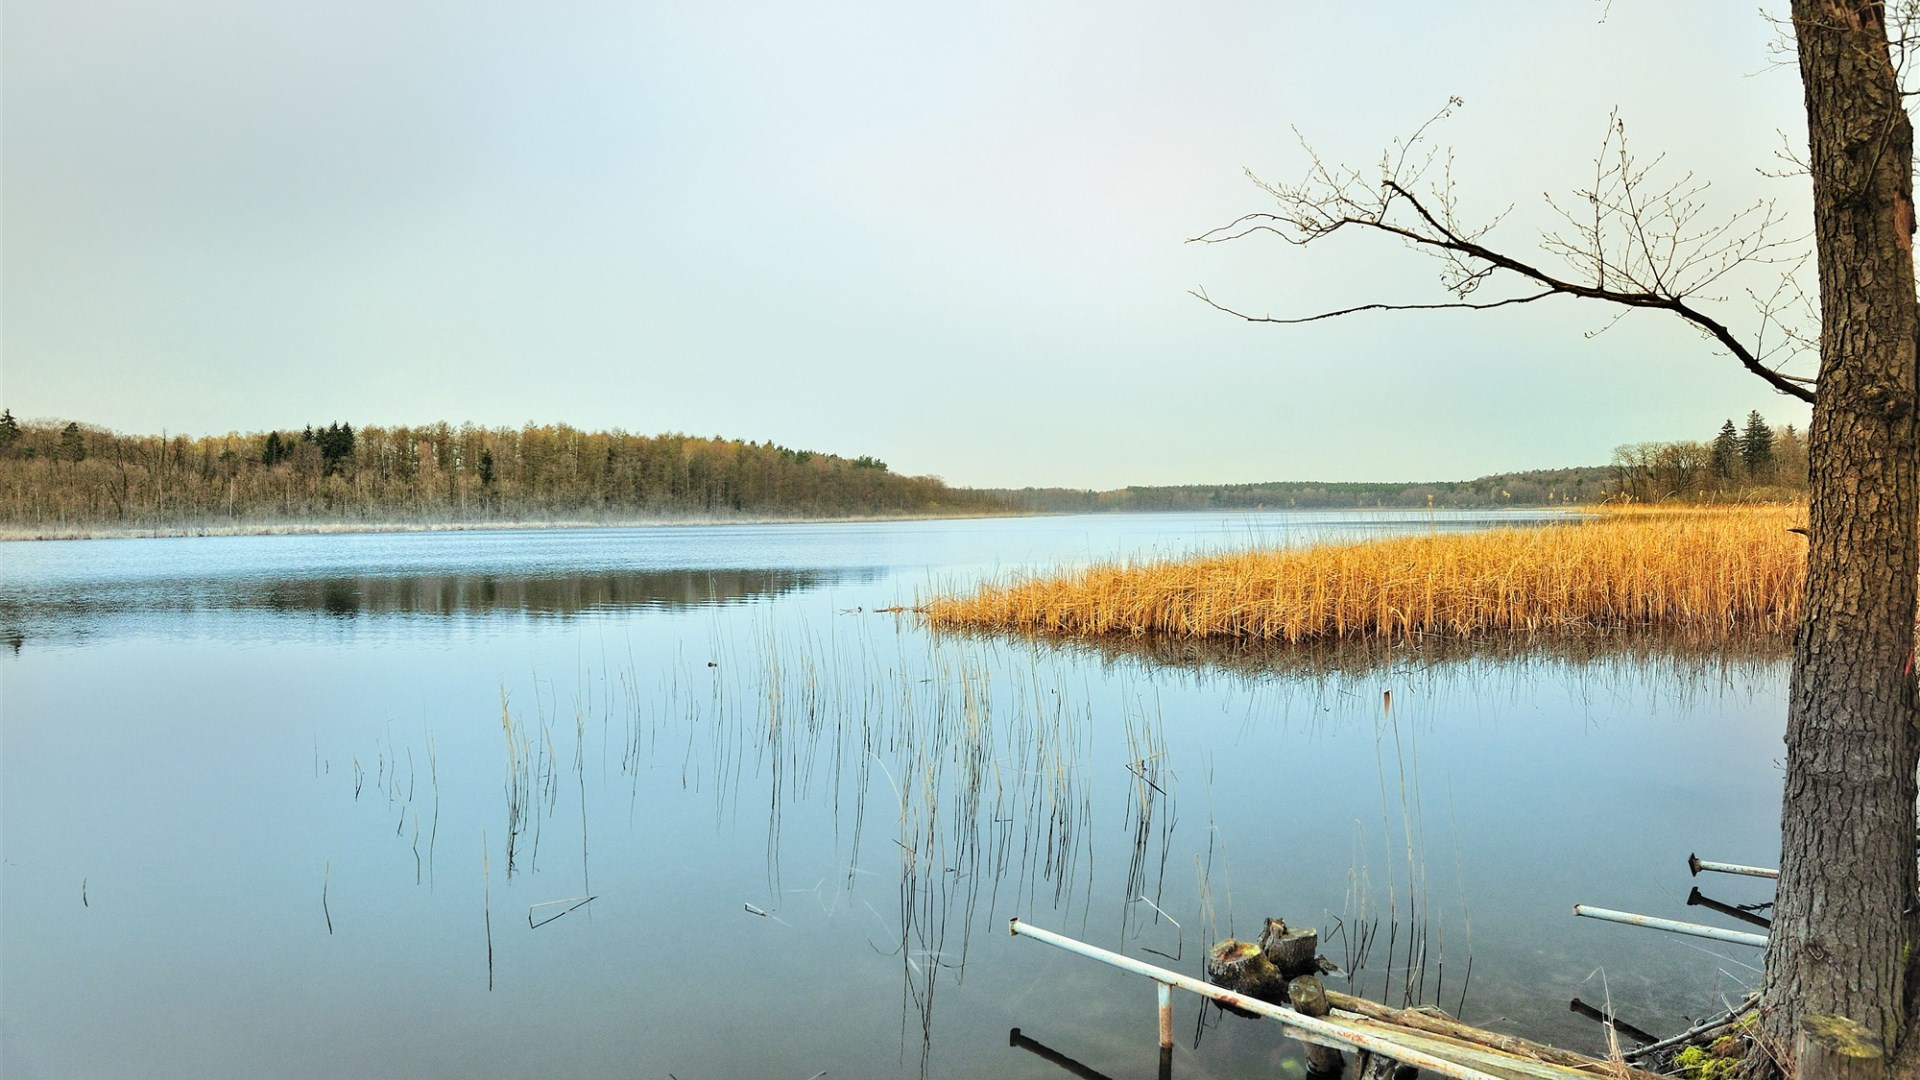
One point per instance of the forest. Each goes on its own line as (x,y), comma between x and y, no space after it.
(60,477)
(1542,487)
(1754,463)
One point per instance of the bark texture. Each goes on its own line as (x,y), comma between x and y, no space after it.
(1843,929)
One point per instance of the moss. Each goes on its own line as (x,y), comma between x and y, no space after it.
(1842,1036)
(1699,1063)
(1721,1058)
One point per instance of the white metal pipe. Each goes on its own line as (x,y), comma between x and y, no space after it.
(1297,1024)
(1737,937)
(1695,864)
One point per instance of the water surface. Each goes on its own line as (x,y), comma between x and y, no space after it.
(269,802)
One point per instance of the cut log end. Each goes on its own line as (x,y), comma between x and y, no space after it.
(1292,950)
(1240,966)
(1836,1048)
(1309,996)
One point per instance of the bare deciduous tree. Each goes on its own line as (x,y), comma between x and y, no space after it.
(1848,917)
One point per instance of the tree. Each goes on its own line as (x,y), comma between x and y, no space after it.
(1845,915)
(1726,451)
(9,430)
(1790,458)
(336,446)
(275,451)
(73,445)
(1844,930)
(1756,447)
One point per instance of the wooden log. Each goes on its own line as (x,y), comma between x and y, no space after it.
(1309,997)
(1240,966)
(1375,1067)
(1324,1062)
(1293,951)
(1836,1048)
(1434,1022)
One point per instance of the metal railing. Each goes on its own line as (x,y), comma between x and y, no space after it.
(1737,937)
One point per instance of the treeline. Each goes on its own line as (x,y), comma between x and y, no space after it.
(72,476)
(1753,462)
(1756,462)
(1538,487)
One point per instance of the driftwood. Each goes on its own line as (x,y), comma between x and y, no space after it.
(1281,967)
(1434,1022)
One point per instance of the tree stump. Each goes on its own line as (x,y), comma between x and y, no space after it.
(1241,967)
(1308,995)
(1293,951)
(1836,1048)
(1309,998)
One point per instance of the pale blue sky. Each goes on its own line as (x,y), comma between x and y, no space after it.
(947,235)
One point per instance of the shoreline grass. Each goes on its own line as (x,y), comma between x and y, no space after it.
(1710,571)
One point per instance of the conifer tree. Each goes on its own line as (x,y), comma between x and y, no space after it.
(1726,452)
(1756,447)
(73,445)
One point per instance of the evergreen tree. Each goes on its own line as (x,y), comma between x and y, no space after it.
(486,468)
(1756,447)
(336,446)
(275,452)
(1790,458)
(9,430)
(73,445)
(1726,452)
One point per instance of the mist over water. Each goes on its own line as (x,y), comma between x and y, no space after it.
(334,805)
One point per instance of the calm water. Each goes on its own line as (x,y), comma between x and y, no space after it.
(328,806)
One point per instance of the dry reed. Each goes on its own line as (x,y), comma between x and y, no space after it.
(1714,572)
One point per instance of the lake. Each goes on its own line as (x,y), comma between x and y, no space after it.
(333,806)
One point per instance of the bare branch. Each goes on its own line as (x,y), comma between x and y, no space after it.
(1457,305)
(1629,240)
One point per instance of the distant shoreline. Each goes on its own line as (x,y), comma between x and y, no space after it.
(27,534)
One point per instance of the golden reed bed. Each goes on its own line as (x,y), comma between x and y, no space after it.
(1708,571)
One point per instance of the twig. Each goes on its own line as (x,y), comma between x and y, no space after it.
(578,902)
(486,903)
(1696,1031)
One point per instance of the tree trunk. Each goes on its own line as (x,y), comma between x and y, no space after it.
(1842,926)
